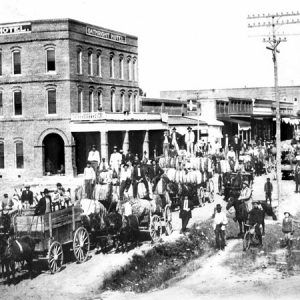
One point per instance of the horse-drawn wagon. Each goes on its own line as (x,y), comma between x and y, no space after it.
(52,232)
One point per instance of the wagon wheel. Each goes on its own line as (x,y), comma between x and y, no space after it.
(55,257)
(168,220)
(81,244)
(155,228)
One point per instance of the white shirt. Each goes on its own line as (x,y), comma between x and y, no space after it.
(189,137)
(125,174)
(94,156)
(89,173)
(115,159)
(220,217)
(231,154)
(166,140)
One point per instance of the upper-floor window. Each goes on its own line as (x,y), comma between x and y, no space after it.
(16,61)
(131,105)
(19,155)
(1,155)
(136,102)
(51,101)
(123,104)
(134,68)
(0,63)
(91,101)
(100,100)
(90,63)
(17,103)
(99,64)
(121,62)
(113,100)
(1,104)
(111,65)
(79,61)
(79,98)
(129,68)
(50,60)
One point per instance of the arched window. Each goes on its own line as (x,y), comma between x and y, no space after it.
(1,154)
(79,61)
(123,104)
(134,68)
(99,64)
(19,155)
(113,100)
(131,106)
(79,100)
(136,101)
(121,62)
(51,100)
(100,99)
(17,98)
(111,65)
(50,60)
(129,67)
(90,62)
(91,100)
(16,62)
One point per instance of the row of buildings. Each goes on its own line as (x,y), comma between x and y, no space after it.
(66,85)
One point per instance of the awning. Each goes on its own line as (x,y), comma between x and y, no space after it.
(211,122)
(243,127)
(235,121)
(290,121)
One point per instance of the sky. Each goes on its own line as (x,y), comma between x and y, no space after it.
(190,44)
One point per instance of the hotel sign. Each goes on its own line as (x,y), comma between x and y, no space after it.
(6,29)
(105,35)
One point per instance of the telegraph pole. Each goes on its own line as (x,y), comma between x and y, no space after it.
(275,20)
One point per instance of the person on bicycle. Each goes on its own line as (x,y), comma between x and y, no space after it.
(256,217)
(220,220)
(288,228)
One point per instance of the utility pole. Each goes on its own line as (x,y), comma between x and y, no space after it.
(274,21)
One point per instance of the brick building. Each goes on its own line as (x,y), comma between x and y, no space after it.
(65,85)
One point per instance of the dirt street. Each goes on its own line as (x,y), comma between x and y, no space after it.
(213,280)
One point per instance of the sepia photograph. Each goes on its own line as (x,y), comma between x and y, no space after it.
(149,150)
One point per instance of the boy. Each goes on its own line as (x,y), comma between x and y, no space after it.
(268,189)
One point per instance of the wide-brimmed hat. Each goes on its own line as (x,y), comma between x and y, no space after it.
(255,201)
(46,191)
(189,127)
(286,212)
(27,185)
(218,205)
(115,147)
(173,128)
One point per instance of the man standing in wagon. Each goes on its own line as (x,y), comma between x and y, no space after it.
(189,139)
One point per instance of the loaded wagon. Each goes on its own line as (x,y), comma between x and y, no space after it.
(51,232)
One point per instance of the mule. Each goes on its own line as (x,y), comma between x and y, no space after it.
(241,213)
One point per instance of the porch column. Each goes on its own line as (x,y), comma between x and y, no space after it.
(39,165)
(146,142)
(126,142)
(226,144)
(104,145)
(246,132)
(69,160)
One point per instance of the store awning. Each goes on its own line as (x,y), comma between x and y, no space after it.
(210,122)
(244,127)
(235,121)
(290,121)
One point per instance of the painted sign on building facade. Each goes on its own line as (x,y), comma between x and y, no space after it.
(6,29)
(106,35)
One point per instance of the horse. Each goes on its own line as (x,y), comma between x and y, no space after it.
(17,250)
(268,210)
(241,212)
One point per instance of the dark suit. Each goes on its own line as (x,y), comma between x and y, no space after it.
(177,139)
(138,176)
(154,173)
(40,209)
(129,157)
(185,215)
(27,195)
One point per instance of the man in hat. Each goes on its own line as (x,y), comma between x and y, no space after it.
(189,139)
(155,172)
(268,189)
(125,180)
(94,158)
(219,223)
(166,143)
(27,195)
(129,157)
(297,174)
(115,160)
(288,228)
(186,206)
(89,180)
(44,205)
(256,217)
(139,175)
(175,139)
